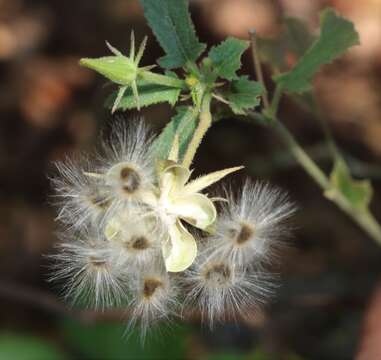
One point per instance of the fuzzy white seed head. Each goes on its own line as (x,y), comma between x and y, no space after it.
(91,278)
(136,240)
(126,163)
(130,237)
(222,290)
(252,226)
(154,298)
(82,200)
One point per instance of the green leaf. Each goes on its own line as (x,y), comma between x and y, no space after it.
(358,192)
(183,123)
(243,95)
(226,57)
(149,94)
(337,35)
(106,341)
(20,347)
(172,25)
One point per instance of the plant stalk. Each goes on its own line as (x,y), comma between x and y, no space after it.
(205,121)
(362,217)
(163,80)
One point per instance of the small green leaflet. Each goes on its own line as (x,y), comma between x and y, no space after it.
(149,94)
(226,57)
(243,95)
(358,192)
(183,123)
(337,35)
(172,25)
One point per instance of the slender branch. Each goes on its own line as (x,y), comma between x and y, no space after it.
(363,218)
(258,67)
(205,121)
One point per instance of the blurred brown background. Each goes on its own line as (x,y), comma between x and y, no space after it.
(50,107)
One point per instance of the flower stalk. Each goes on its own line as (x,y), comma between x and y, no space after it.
(205,121)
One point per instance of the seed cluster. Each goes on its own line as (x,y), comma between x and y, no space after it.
(128,236)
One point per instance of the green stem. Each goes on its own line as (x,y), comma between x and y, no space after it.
(192,68)
(363,218)
(162,80)
(205,121)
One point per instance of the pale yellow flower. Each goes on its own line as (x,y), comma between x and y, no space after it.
(174,201)
(180,200)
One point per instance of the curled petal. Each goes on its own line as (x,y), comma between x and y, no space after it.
(196,209)
(181,251)
(173,179)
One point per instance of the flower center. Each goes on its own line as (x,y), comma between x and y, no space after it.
(150,287)
(130,178)
(218,274)
(244,234)
(139,243)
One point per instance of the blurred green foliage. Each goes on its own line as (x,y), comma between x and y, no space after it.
(23,347)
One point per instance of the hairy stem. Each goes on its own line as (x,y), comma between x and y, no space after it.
(162,80)
(205,121)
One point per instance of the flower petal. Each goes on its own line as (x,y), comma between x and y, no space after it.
(181,251)
(196,209)
(173,178)
(204,181)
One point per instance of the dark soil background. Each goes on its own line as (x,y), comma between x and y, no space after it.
(50,108)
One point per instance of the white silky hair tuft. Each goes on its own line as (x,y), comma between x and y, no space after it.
(155,298)
(125,161)
(82,200)
(223,290)
(252,227)
(91,278)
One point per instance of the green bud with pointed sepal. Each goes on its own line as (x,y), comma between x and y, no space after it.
(119,69)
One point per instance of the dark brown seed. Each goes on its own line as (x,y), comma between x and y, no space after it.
(218,273)
(150,286)
(130,179)
(245,233)
(139,243)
